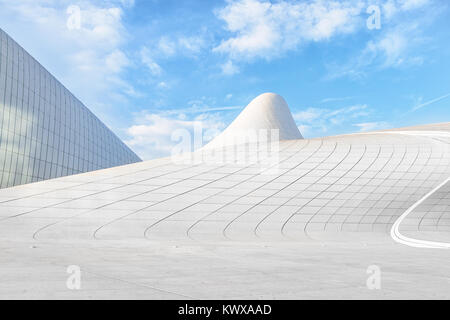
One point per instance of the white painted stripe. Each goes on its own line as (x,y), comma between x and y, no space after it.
(397,236)
(395,233)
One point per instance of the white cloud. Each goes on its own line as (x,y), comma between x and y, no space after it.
(371,126)
(191,45)
(197,107)
(170,46)
(163,85)
(401,43)
(116,61)
(327,100)
(421,104)
(92,50)
(389,9)
(100,28)
(309,115)
(393,49)
(127,3)
(147,59)
(321,121)
(412,4)
(166,46)
(263,29)
(312,114)
(229,68)
(392,8)
(391,46)
(152,135)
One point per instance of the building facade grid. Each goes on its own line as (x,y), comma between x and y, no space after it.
(45,131)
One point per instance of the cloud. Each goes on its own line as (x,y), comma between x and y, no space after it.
(427,103)
(168,47)
(370,126)
(147,59)
(393,49)
(156,135)
(229,68)
(116,61)
(151,134)
(391,46)
(392,8)
(401,44)
(261,29)
(163,85)
(198,106)
(321,121)
(412,4)
(99,27)
(326,100)
(191,45)
(89,45)
(172,46)
(127,3)
(311,114)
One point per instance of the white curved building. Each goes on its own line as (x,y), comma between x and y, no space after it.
(334,209)
(266,114)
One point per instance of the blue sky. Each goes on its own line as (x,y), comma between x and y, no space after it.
(149,67)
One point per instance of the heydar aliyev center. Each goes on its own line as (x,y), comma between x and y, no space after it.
(363,215)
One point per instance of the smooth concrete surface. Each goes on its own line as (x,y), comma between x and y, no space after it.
(308,226)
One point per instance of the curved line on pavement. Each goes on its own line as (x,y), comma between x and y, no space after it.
(395,232)
(397,236)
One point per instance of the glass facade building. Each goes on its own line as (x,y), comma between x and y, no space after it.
(45,131)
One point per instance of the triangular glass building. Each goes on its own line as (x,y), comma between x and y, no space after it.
(45,131)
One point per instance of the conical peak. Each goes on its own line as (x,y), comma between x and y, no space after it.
(268,111)
(268,99)
(265,104)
